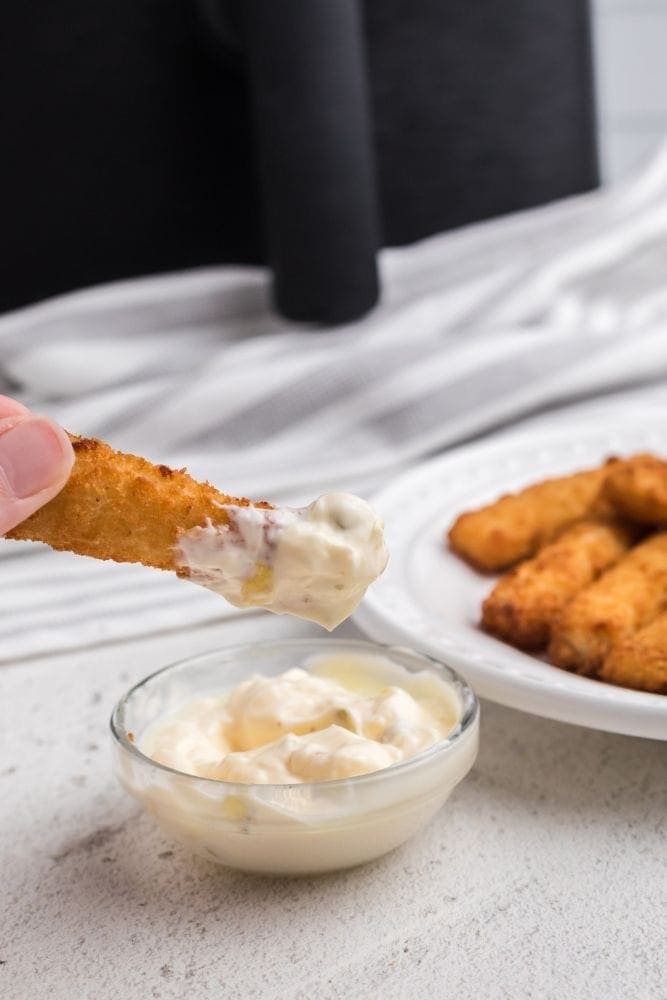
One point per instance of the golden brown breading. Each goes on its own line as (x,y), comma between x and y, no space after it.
(623,600)
(518,524)
(640,661)
(525,602)
(121,507)
(637,488)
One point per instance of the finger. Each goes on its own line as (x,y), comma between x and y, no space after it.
(36,458)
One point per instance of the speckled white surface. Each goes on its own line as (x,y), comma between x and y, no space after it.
(545,875)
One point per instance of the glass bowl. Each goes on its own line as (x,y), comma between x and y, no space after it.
(291,829)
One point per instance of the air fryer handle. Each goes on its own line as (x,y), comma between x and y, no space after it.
(310,107)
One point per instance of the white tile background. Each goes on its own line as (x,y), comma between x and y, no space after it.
(630,42)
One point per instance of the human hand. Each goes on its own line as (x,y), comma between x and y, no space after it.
(36,458)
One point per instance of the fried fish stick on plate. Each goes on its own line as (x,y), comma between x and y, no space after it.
(623,600)
(518,524)
(637,488)
(640,661)
(314,562)
(523,605)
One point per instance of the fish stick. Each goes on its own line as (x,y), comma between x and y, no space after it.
(641,660)
(637,488)
(525,602)
(623,600)
(122,507)
(518,524)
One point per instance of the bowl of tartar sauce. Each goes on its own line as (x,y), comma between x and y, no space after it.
(296,757)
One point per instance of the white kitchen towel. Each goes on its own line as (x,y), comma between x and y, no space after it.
(559,307)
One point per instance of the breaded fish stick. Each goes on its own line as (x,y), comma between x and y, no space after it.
(523,605)
(121,507)
(624,599)
(517,525)
(314,562)
(640,661)
(637,488)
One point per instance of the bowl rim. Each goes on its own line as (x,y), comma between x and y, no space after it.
(467,722)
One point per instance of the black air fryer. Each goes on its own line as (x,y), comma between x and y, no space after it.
(142,136)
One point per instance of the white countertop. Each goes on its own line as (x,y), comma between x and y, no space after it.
(544,876)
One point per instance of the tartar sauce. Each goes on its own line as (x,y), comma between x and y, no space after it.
(302,726)
(314,562)
(394,731)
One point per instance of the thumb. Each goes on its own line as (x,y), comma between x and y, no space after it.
(36,458)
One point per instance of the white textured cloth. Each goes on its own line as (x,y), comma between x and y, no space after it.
(560,307)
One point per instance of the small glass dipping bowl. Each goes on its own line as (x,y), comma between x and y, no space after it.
(291,829)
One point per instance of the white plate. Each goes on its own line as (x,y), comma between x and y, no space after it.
(429,599)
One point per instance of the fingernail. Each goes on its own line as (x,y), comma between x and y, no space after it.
(32,457)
